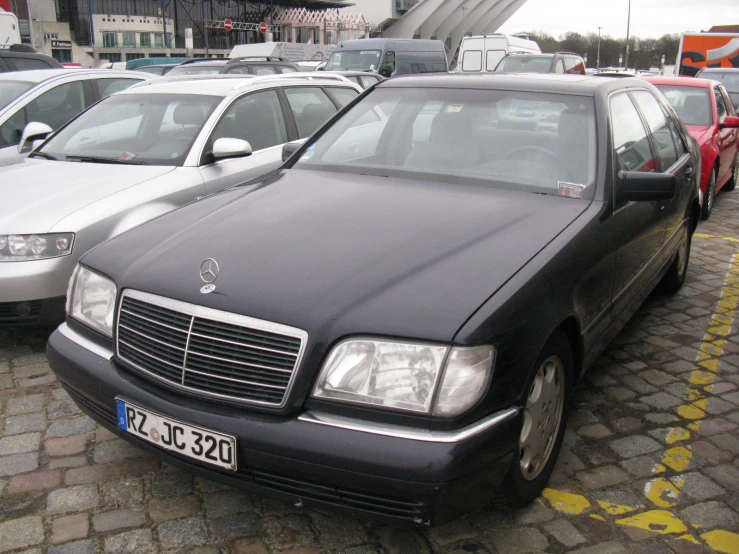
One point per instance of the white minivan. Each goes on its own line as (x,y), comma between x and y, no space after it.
(481,54)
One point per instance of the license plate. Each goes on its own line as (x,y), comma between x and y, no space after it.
(194,442)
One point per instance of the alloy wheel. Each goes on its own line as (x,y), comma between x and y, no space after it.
(542,417)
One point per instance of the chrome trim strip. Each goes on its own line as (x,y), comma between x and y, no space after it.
(139,316)
(409,433)
(85,343)
(232,380)
(243,345)
(147,337)
(216,316)
(245,364)
(148,354)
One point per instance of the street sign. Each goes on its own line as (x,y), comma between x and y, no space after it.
(228,24)
(263,27)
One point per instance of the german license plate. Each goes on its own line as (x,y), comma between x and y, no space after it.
(194,442)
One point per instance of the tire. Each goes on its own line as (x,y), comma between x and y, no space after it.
(675,276)
(708,201)
(729,186)
(549,389)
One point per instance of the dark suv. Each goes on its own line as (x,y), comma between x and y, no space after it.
(559,62)
(260,66)
(20,57)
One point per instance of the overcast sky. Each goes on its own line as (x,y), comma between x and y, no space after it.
(649,18)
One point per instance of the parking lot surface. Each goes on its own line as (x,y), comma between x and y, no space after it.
(650,462)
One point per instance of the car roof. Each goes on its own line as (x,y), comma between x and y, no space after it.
(680,81)
(582,85)
(720,70)
(217,61)
(224,85)
(41,75)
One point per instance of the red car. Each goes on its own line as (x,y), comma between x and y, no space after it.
(707,111)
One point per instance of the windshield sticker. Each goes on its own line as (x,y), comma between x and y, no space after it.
(127,156)
(570,190)
(454,108)
(372,66)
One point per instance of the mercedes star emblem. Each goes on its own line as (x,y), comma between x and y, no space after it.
(209,270)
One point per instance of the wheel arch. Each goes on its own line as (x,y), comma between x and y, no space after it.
(571,328)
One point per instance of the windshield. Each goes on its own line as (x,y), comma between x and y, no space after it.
(692,104)
(535,142)
(209,69)
(10,90)
(729,79)
(521,64)
(354,60)
(149,129)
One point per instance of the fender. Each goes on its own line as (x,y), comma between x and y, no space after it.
(141,214)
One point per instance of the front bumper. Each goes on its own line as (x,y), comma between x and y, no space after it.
(396,474)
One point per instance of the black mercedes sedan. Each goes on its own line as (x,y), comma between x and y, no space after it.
(392,323)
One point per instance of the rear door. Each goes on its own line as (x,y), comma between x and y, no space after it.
(257,117)
(727,137)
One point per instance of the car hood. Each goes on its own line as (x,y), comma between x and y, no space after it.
(336,254)
(700,133)
(36,193)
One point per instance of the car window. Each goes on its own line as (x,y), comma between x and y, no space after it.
(692,104)
(472,60)
(492,59)
(311,108)
(256,118)
(54,107)
(263,70)
(10,90)
(239,69)
(559,66)
(721,109)
(152,129)
(574,66)
(288,69)
(106,87)
(659,125)
(342,95)
(727,101)
(456,136)
(630,141)
(524,64)
(26,64)
(367,81)
(153,69)
(678,140)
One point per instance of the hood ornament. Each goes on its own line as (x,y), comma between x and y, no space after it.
(209,273)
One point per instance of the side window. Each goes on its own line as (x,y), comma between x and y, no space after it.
(240,69)
(472,60)
(366,81)
(26,64)
(263,70)
(659,125)
(256,118)
(574,66)
(678,140)
(342,95)
(492,59)
(288,69)
(727,99)
(311,108)
(720,105)
(632,150)
(106,87)
(390,61)
(559,67)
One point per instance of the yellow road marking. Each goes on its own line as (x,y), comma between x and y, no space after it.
(566,501)
(722,541)
(705,236)
(659,521)
(615,509)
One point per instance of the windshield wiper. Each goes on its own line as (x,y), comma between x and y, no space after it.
(101,160)
(43,155)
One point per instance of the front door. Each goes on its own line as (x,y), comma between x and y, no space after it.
(727,137)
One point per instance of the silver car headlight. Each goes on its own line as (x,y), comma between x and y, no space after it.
(24,248)
(406,376)
(91,300)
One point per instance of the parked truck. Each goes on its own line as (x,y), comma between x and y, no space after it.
(9,29)
(699,50)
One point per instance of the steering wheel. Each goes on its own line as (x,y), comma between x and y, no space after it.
(512,155)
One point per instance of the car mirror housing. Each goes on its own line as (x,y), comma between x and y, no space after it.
(638,186)
(289,148)
(34,131)
(730,122)
(224,148)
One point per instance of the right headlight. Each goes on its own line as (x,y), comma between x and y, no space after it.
(91,300)
(417,377)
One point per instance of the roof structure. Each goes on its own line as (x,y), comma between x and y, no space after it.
(312,4)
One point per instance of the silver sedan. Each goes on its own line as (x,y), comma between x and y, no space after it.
(134,156)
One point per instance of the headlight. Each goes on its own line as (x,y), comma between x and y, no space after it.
(24,248)
(91,300)
(406,375)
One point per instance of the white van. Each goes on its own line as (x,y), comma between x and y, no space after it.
(9,29)
(481,54)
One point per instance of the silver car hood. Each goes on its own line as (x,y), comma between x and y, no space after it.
(37,193)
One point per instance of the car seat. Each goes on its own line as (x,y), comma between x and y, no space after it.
(450,145)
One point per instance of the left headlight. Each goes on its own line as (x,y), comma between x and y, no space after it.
(91,300)
(24,248)
(406,376)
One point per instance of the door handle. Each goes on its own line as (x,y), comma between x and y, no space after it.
(198,197)
(689,170)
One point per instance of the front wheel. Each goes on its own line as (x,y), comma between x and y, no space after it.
(543,425)
(710,196)
(675,276)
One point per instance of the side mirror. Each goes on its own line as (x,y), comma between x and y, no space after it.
(730,122)
(231,148)
(639,186)
(386,71)
(34,131)
(289,148)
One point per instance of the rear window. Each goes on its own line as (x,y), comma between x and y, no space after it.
(692,104)
(729,80)
(472,60)
(524,64)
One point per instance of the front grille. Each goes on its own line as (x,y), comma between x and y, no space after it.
(12,312)
(206,351)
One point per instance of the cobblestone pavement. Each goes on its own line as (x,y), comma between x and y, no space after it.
(650,462)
